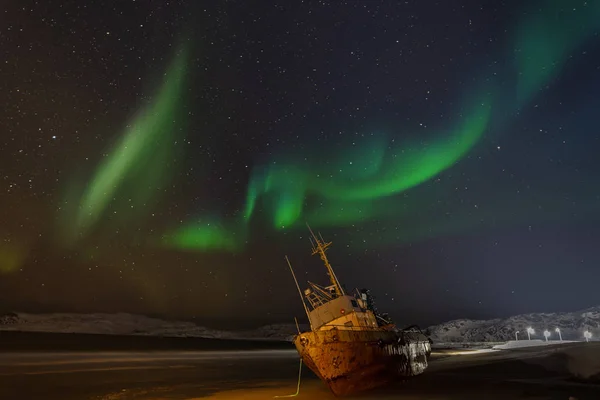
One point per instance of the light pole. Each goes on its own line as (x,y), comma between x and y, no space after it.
(557,330)
(530,331)
(546,334)
(587,335)
(516,335)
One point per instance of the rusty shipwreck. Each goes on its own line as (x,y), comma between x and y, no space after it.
(350,346)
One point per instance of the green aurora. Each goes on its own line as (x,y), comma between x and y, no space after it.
(385,169)
(206,236)
(130,176)
(365,181)
(547,37)
(345,196)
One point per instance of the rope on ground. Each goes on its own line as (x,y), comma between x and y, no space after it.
(298,388)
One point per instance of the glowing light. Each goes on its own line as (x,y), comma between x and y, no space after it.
(206,237)
(530,331)
(557,330)
(465,352)
(546,39)
(12,257)
(136,167)
(347,184)
(359,182)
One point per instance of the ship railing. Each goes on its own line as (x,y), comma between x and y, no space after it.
(352,328)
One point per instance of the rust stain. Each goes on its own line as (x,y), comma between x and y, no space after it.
(350,361)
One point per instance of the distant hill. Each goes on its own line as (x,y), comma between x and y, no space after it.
(571,325)
(131,324)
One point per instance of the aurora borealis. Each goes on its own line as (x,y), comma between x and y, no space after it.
(547,37)
(137,166)
(166,160)
(349,185)
(382,170)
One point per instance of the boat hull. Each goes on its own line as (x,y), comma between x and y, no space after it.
(350,361)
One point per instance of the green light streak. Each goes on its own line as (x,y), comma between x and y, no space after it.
(360,175)
(373,179)
(207,236)
(547,38)
(360,183)
(138,164)
(377,180)
(411,166)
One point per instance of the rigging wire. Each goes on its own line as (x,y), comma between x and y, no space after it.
(298,388)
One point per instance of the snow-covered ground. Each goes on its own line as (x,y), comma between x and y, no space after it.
(571,325)
(517,344)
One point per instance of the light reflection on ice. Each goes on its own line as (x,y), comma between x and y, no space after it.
(25,359)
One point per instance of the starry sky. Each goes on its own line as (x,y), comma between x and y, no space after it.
(162,157)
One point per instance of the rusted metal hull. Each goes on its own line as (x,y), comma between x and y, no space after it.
(350,361)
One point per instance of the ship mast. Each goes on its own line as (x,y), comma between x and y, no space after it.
(319,246)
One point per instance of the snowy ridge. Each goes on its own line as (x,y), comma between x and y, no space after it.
(571,324)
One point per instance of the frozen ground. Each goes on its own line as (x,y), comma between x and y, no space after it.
(536,373)
(516,344)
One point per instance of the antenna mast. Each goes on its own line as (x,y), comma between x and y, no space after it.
(319,246)
(300,293)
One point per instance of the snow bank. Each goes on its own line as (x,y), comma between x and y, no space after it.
(572,325)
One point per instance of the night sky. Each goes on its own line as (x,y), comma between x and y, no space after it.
(162,157)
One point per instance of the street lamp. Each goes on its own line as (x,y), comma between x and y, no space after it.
(546,334)
(587,335)
(530,331)
(557,330)
(516,335)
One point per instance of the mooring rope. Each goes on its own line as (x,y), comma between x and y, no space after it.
(298,388)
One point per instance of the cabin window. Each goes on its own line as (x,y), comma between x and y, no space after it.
(354,303)
(348,324)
